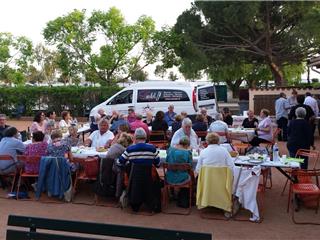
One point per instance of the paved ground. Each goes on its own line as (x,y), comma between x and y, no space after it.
(277,223)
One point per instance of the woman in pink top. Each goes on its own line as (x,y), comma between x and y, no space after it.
(38,122)
(264,129)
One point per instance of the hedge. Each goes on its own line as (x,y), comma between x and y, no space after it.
(77,99)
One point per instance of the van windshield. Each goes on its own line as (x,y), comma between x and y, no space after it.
(162,95)
(122,98)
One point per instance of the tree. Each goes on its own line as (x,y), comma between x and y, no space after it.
(139,74)
(15,58)
(173,76)
(275,34)
(123,49)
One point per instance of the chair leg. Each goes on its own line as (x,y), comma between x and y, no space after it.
(289,198)
(18,187)
(284,187)
(13,182)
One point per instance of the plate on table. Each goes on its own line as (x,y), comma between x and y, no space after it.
(244,158)
(102,149)
(256,160)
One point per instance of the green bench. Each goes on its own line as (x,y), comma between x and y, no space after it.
(73,230)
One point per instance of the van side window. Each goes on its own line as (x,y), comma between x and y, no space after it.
(206,93)
(122,98)
(168,95)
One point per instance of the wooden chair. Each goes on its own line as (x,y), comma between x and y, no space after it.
(82,174)
(240,141)
(158,139)
(6,175)
(32,160)
(311,189)
(312,155)
(185,167)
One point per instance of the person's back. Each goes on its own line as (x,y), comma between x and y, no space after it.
(219,126)
(299,135)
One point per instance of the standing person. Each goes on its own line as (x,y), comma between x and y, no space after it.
(312,102)
(101,137)
(142,186)
(227,118)
(292,100)
(251,121)
(264,129)
(66,120)
(282,107)
(299,135)
(38,122)
(3,125)
(309,111)
(10,145)
(169,115)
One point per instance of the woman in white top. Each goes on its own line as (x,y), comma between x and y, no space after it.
(214,155)
(219,127)
(264,129)
(38,124)
(101,137)
(66,120)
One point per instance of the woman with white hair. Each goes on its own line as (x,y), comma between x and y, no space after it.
(219,127)
(185,131)
(299,135)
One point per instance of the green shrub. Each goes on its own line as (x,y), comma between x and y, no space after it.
(74,98)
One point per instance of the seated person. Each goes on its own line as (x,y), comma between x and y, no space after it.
(122,120)
(51,116)
(38,122)
(143,188)
(138,123)
(149,119)
(131,115)
(250,121)
(214,155)
(73,139)
(38,147)
(179,154)
(159,124)
(207,119)
(185,131)
(10,145)
(199,124)
(66,120)
(49,127)
(94,124)
(169,115)
(219,127)
(227,118)
(176,125)
(184,114)
(58,148)
(3,125)
(101,137)
(124,128)
(264,129)
(114,117)
(112,177)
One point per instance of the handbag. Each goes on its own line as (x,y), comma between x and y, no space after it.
(91,167)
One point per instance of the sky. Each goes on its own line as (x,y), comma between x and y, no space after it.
(29,17)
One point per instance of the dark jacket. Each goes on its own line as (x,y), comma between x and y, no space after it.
(250,124)
(199,126)
(299,135)
(292,114)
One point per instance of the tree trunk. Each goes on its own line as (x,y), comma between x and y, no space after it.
(234,87)
(277,75)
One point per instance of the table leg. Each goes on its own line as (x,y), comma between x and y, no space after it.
(287,175)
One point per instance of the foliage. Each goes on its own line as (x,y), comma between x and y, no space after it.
(124,49)
(15,58)
(76,99)
(274,34)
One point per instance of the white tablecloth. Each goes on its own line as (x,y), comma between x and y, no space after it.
(249,132)
(87,152)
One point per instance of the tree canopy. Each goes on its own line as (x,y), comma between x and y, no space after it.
(245,39)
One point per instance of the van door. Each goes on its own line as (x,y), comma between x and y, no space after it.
(122,101)
(206,98)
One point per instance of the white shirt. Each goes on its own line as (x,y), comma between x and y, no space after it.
(180,134)
(310,101)
(214,155)
(98,140)
(219,126)
(64,124)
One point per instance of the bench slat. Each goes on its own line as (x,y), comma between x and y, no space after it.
(24,235)
(104,229)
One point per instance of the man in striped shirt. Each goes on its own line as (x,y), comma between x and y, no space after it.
(142,187)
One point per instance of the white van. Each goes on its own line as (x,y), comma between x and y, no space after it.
(158,95)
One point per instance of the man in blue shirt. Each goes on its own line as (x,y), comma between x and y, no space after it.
(282,106)
(169,115)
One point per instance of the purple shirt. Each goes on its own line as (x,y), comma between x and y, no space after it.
(265,123)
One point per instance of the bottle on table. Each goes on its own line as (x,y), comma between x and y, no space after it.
(275,153)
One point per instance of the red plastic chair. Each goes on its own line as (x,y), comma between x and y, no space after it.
(307,189)
(236,139)
(32,160)
(158,139)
